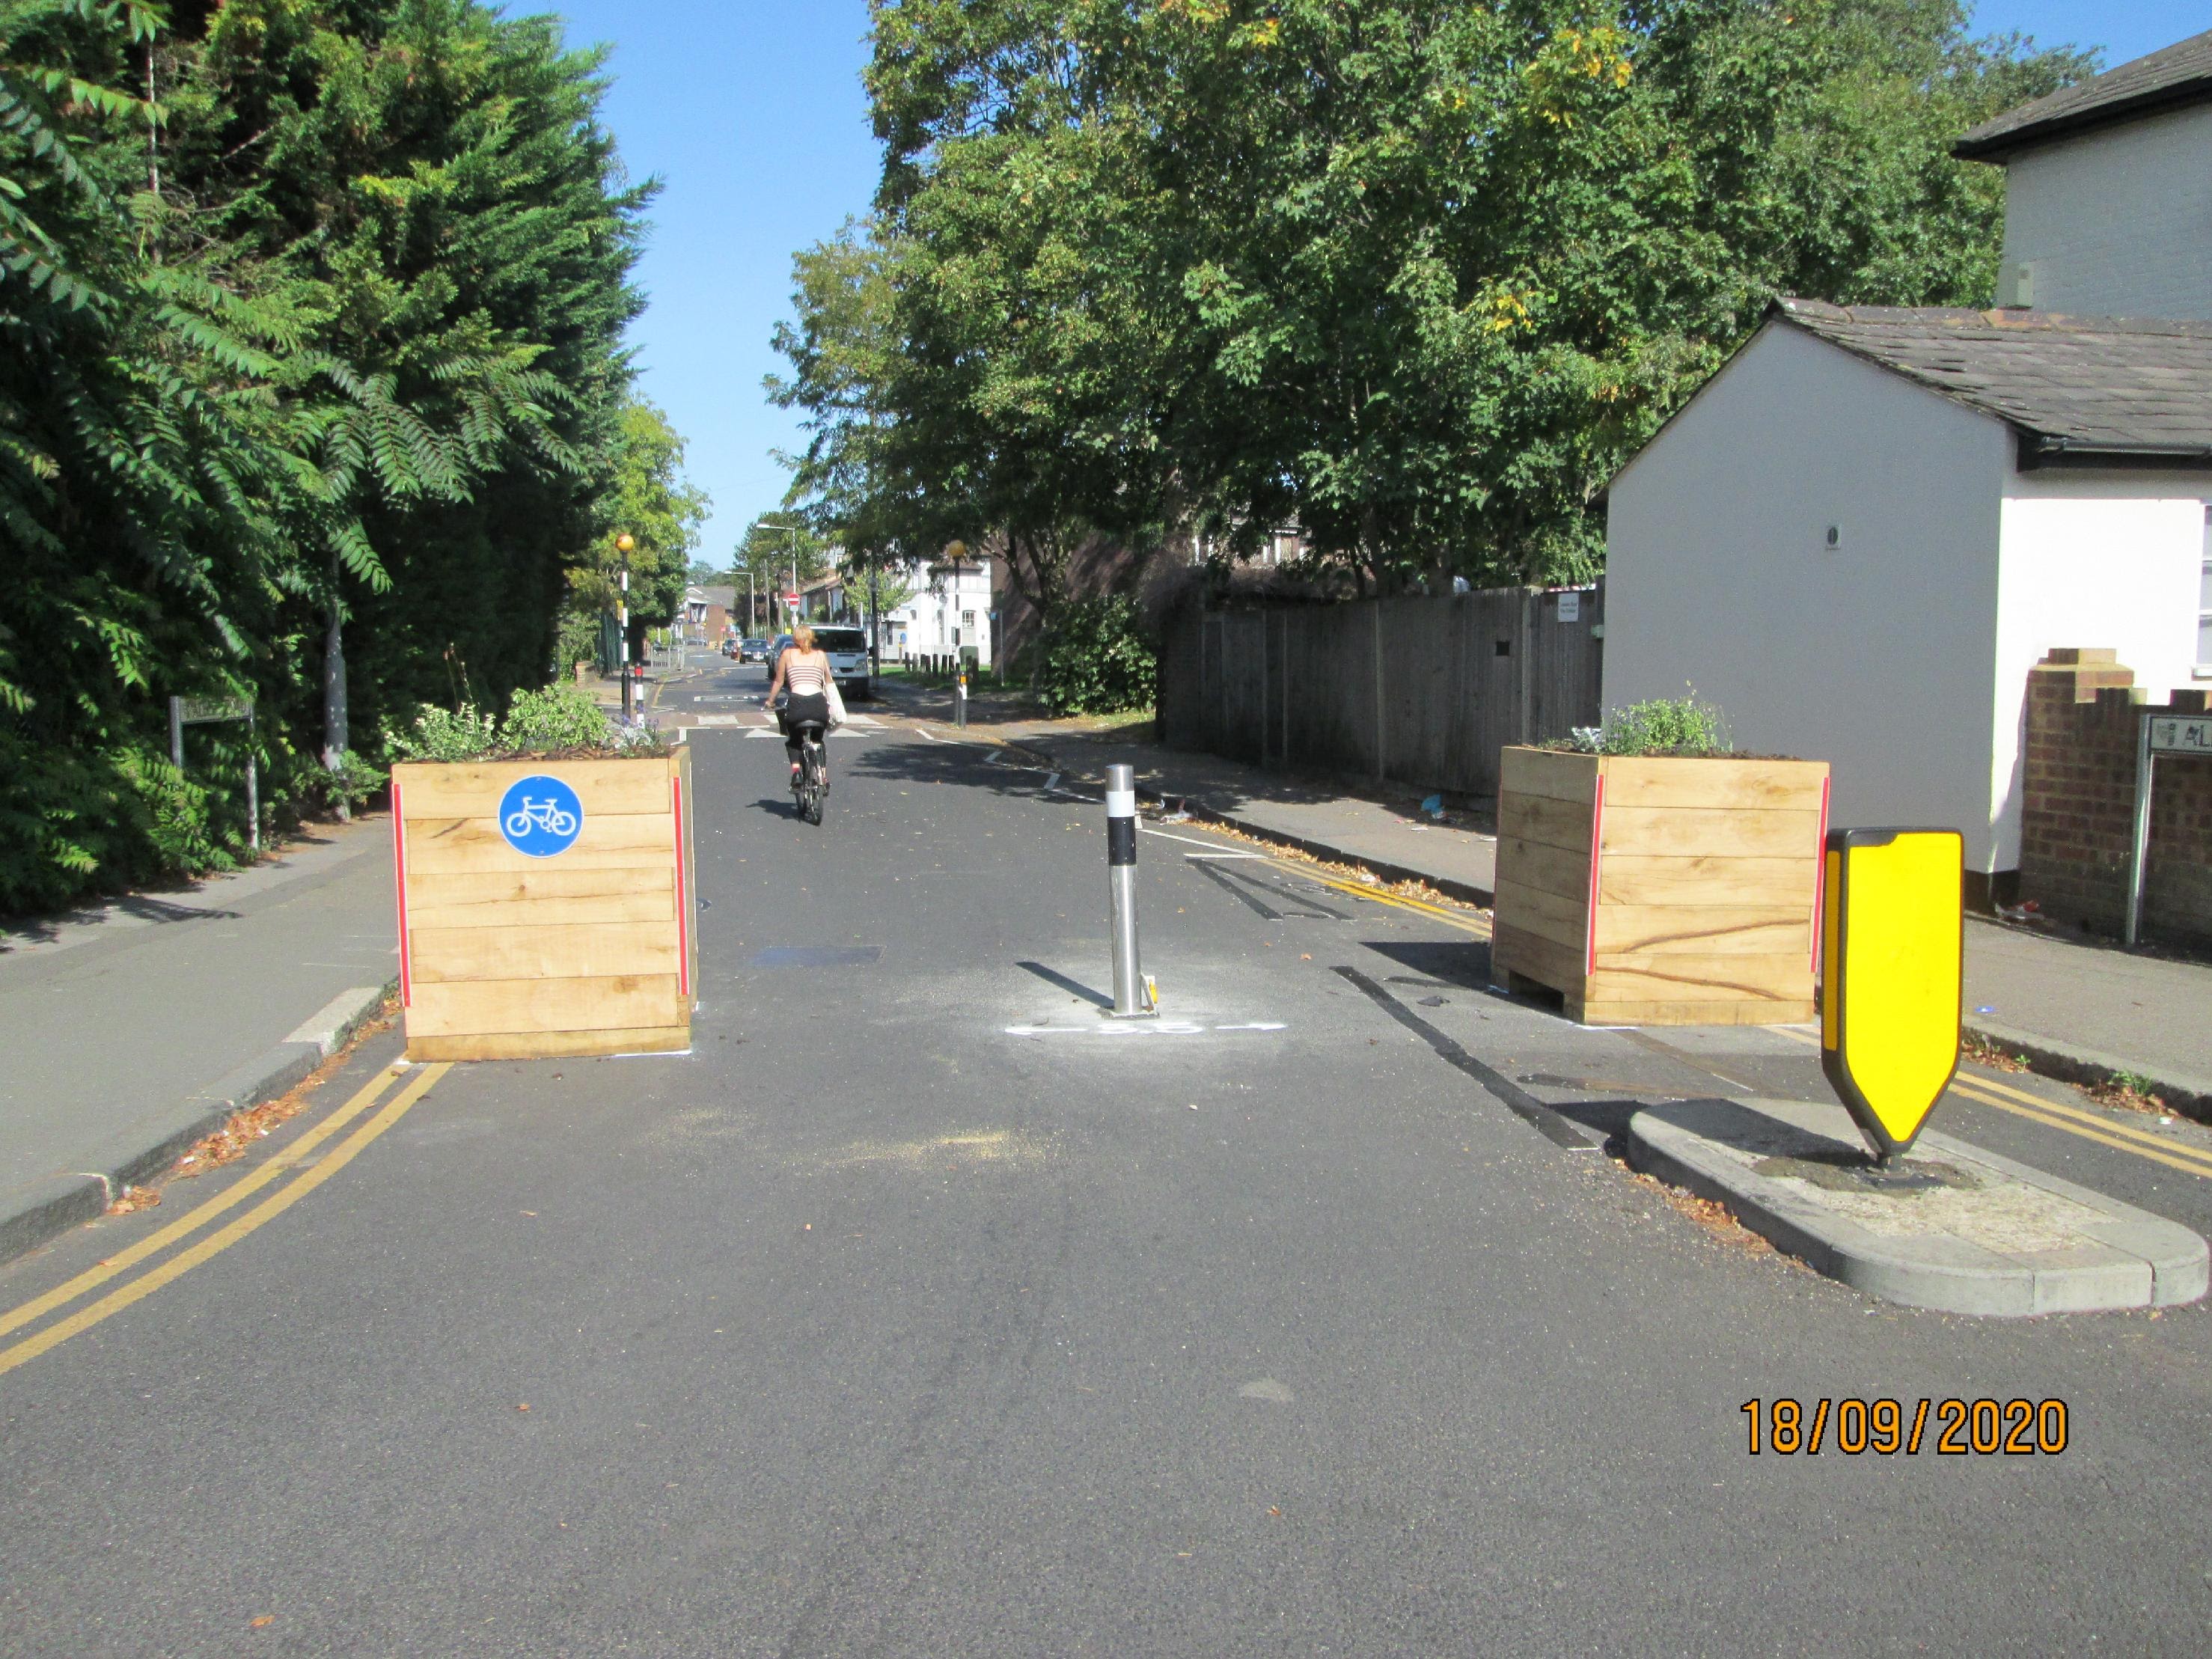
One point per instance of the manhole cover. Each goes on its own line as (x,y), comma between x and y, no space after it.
(816,955)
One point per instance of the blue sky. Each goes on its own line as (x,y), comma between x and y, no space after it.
(751,112)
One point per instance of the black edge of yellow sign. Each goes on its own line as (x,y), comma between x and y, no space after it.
(1892,976)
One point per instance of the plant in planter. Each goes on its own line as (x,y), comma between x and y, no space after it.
(1651,878)
(546,884)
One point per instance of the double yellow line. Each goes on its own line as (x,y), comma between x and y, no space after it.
(2055,1115)
(185,1225)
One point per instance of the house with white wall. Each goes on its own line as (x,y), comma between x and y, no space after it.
(946,609)
(1861,533)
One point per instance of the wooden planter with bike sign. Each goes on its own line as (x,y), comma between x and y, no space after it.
(546,907)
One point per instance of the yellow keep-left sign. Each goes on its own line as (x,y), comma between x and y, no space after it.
(1892,975)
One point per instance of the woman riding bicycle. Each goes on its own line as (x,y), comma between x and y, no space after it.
(803,673)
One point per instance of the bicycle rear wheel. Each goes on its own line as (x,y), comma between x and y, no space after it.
(810,788)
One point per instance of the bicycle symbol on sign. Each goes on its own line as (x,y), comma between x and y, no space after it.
(540,816)
(543,814)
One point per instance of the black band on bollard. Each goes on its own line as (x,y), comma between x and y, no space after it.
(1121,841)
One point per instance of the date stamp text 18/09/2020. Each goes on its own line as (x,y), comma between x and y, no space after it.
(1952,1428)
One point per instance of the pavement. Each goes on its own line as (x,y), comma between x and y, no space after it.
(2073,1007)
(923,1310)
(133,1028)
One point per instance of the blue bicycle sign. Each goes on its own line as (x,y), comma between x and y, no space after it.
(540,816)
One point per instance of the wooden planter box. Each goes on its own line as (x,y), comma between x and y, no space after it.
(1661,891)
(588,950)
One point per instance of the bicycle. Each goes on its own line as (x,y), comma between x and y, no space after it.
(541,814)
(810,784)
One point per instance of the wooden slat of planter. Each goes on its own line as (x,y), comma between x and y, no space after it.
(1548,823)
(1565,777)
(1534,866)
(1684,978)
(611,840)
(1725,785)
(1736,1013)
(1551,916)
(1691,832)
(1750,882)
(1516,950)
(474,792)
(1670,928)
(550,1045)
(619,1002)
(570,951)
(541,898)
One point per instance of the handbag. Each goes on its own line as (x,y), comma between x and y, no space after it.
(836,699)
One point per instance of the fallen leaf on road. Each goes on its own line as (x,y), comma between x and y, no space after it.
(1272,1509)
(131,1200)
(266,1619)
(523,1406)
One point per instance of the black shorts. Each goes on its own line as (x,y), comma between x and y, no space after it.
(811,710)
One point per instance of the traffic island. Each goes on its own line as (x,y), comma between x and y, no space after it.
(1949,1226)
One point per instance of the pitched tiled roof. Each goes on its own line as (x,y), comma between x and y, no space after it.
(2178,74)
(2079,387)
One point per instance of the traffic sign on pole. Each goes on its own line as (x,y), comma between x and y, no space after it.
(1892,959)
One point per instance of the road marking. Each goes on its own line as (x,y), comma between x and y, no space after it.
(1358,889)
(2073,1120)
(1141,1028)
(1213,847)
(267,1210)
(193,1220)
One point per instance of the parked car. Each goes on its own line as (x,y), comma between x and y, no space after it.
(774,650)
(729,648)
(752,650)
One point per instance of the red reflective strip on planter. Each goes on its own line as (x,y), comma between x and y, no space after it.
(1597,855)
(1820,877)
(682,896)
(399,881)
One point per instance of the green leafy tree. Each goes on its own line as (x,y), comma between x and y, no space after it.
(1417,274)
(650,501)
(313,370)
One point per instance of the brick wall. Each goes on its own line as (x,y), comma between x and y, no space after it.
(2083,719)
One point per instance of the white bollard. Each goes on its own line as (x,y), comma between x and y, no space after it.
(1132,996)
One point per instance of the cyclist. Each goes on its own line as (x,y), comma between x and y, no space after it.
(803,673)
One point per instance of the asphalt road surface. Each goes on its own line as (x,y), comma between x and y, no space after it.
(923,1310)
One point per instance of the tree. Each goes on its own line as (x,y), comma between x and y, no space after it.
(1418,274)
(314,361)
(652,502)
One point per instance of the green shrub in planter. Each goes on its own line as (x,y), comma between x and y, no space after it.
(439,735)
(560,717)
(1659,726)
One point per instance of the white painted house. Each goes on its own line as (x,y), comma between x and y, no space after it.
(946,612)
(1861,533)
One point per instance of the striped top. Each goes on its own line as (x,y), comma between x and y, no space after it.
(808,675)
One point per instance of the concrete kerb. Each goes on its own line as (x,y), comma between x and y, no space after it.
(2045,1245)
(2048,1057)
(56,1203)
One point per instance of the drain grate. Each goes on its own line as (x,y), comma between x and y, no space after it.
(816,955)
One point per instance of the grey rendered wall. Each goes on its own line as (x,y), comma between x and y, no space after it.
(1876,656)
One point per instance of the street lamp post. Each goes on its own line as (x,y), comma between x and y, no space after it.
(624,544)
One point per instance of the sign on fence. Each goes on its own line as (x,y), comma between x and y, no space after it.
(2171,735)
(2175,735)
(208,711)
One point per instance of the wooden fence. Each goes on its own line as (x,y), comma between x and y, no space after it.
(1418,690)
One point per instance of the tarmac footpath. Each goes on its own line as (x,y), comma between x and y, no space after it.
(134,1028)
